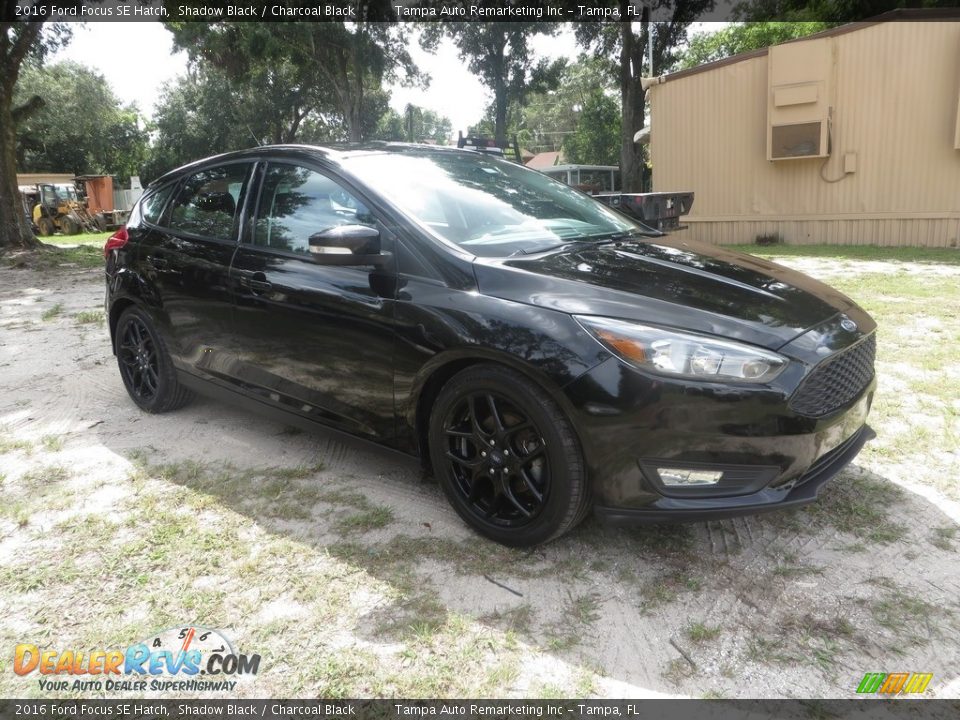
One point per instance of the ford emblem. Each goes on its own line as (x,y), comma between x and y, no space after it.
(848,324)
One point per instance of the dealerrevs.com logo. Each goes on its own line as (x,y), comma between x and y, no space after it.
(186,659)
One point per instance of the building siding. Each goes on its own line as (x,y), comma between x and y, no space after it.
(894,93)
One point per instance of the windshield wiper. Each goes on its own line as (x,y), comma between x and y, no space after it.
(589,241)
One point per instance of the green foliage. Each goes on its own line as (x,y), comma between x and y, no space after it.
(596,140)
(332,69)
(416,124)
(550,116)
(743,37)
(834,11)
(81,126)
(499,53)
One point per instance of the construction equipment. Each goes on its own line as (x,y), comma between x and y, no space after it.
(57,207)
(69,205)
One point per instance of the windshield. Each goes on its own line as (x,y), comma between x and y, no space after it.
(489,207)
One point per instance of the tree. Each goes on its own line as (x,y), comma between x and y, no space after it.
(549,118)
(499,53)
(337,60)
(743,37)
(19,42)
(82,128)
(621,40)
(596,140)
(830,11)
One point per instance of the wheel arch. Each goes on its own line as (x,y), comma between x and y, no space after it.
(443,367)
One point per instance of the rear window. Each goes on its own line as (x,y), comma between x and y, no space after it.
(208,203)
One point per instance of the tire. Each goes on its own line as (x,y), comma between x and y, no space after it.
(45,227)
(145,365)
(69,226)
(516,476)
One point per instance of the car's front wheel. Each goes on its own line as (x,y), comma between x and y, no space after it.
(145,364)
(507,458)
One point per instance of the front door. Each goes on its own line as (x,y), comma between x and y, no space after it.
(314,339)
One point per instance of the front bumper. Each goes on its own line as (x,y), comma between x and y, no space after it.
(800,491)
(631,425)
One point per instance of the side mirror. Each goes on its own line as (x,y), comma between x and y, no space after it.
(347,245)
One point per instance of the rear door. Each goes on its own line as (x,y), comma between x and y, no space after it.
(314,339)
(187,256)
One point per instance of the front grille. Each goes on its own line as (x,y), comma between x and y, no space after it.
(837,380)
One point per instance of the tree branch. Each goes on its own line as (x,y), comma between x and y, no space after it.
(21,46)
(19,114)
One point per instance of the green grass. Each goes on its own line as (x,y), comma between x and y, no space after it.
(97,239)
(52,312)
(700,632)
(89,317)
(53,443)
(854,252)
(53,257)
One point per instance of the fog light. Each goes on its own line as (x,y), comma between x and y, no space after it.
(685,478)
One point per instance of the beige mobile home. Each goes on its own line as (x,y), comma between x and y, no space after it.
(851,136)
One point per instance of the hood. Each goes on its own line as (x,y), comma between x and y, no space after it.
(679,284)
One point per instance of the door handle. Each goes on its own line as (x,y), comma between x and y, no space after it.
(257,282)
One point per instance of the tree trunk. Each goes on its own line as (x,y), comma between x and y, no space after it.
(632,98)
(15,230)
(500,94)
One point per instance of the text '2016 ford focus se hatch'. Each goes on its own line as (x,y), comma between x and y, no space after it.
(543,354)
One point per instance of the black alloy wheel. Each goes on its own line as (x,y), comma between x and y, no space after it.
(498,459)
(507,457)
(145,364)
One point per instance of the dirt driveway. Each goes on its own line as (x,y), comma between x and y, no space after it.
(350,576)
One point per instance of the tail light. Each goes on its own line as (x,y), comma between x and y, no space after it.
(116,241)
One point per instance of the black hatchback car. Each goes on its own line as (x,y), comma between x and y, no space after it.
(543,354)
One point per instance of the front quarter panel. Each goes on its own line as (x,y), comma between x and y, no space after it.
(437,325)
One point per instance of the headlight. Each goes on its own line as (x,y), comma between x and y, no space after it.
(680,354)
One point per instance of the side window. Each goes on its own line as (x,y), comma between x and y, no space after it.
(152,205)
(209,202)
(296,202)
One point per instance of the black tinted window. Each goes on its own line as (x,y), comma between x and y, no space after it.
(297,202)
(152,205)
(209,202)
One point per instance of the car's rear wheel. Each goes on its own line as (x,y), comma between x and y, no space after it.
(45,227)
(507,458)
(145,365)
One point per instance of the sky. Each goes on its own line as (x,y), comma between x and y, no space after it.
(137,59)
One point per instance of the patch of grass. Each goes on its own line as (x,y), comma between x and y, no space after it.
(517,619)
(52,312)
(373,518)
(46,475)
(942,537)
(53,443)
(94,239)
(298,472)
(856,252)
(904,614)
(89,317)
(577,616)
(858,505)
(700,632)
(9,444)
(52,257)
(792,571)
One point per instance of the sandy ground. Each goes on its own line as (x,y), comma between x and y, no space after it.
(797,604)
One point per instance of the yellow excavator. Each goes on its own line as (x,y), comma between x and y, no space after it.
(57,207)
